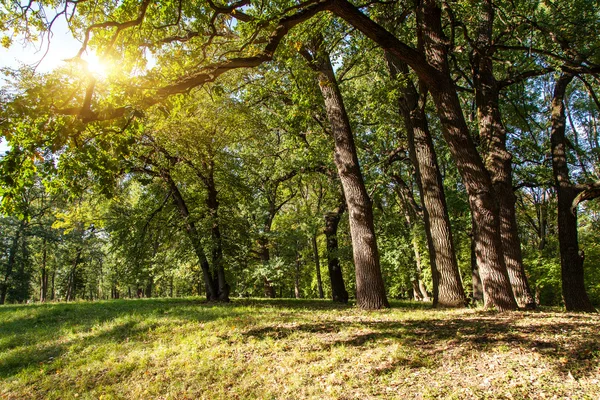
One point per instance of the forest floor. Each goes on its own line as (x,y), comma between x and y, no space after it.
(292,349)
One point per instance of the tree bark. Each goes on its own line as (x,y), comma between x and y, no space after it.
(72,281)
(447,286)
(432,68)
(12,256)
(212,203)
(370,289)
(317,265)
(44,275)
(194,236)
(297,275)
(496,157)
(477,287)
(571,259)
(338,288)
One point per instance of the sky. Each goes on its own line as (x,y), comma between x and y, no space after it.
(62,46)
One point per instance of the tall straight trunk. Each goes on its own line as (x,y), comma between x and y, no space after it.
(571,259)
(12,257)
(338,288)
(370,289)
(496,156)
(212,203)
(432,68)
(447,286)
(317,265)
(44,275)
(265,254)
(194,236)
(72,281)
(148,288)
(297,275)
(52,288)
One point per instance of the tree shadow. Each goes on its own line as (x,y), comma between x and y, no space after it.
(570,347)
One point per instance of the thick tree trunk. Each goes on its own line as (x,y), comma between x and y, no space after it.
(447,286)
(194,236)
(317,266)
(432,68)
(496,156)
(370,290)
(571,259)
(338,288)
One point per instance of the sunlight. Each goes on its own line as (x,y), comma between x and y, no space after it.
(97,66)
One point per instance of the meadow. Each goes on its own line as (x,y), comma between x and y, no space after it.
(184,348)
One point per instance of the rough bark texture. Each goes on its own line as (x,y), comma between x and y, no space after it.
(370,290)
(496,157)
(477,287)
(447,286)
(317,266)
(571,259)
(432,68)
(338,288)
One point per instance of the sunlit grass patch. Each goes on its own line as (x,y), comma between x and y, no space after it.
(288,349)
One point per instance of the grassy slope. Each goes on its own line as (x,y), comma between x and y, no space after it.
(181,348)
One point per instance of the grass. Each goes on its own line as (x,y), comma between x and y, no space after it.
(290,349)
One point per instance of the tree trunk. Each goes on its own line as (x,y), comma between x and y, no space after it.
(44,276)
(370,289)
(338,288)
(317,265)
(297,275)
(432,67)
(148,288)
(411,211)
(496,156)
(477,287)
(217,251)
(194,236)
(571,259)
(447,286)
(72,281)
(12,256)
(52,289)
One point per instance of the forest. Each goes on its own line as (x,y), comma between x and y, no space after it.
(441,151)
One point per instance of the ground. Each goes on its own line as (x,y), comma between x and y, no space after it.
(289,349)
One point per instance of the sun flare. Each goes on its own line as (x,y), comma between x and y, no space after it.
(96,65)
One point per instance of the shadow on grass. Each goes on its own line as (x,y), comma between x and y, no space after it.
(570,347)
(28,334)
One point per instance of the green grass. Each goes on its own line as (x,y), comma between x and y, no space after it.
(288,349)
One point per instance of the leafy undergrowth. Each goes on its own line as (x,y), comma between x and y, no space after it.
(287,349)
